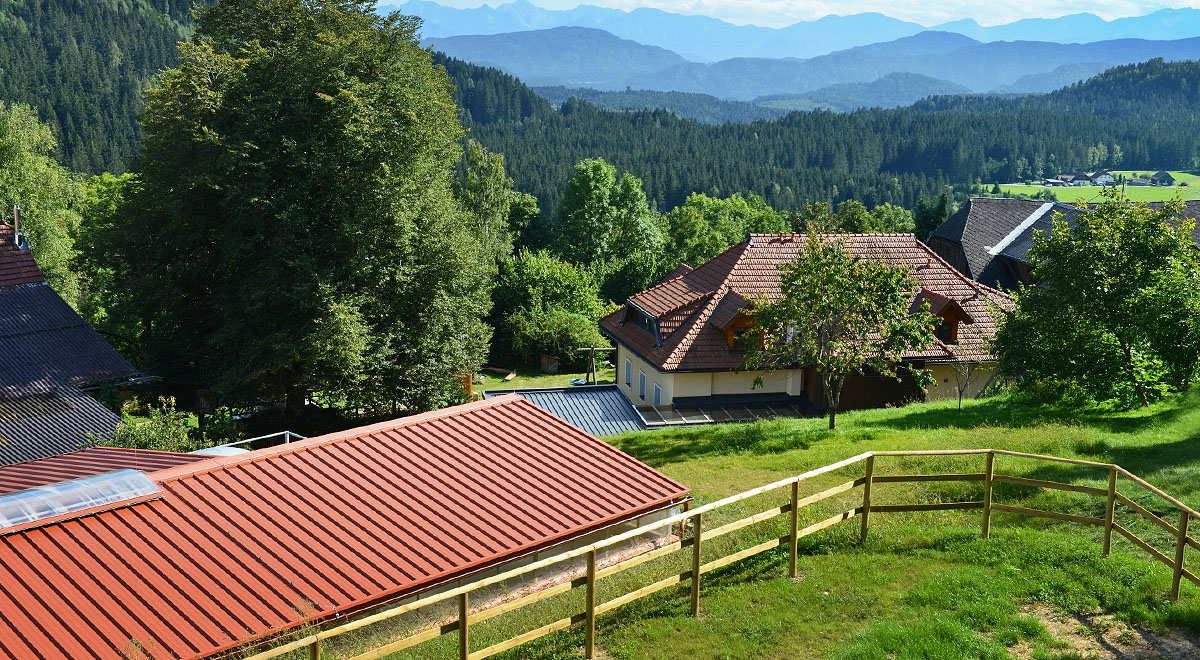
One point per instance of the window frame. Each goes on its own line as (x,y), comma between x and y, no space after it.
(641,384)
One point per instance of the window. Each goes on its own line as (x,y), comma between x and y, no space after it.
(657,395)
(628,372)
(642,384)
(947,331)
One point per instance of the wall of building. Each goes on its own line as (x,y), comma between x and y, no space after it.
(683,385)
(945,385)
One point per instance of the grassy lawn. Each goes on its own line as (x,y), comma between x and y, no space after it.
(1090,193)
(924,586)
(533,378)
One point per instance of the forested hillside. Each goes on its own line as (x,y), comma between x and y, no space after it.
(1138,116)
(82,63)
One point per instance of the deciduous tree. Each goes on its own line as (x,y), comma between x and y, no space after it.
(842,315)
(1116,313)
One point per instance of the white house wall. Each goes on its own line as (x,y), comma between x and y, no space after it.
(686,385)
(945,384)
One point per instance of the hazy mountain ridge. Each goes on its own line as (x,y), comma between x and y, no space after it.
(707,39)
(588,57)
(571,56)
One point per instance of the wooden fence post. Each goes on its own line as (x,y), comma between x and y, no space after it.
(794,537)
(696,534)
(866,503)
(464,633)
(314,650)
(589,632)
(1180,547)
(988,472)
(1109,509)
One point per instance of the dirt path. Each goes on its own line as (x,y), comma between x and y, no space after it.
(1102,637)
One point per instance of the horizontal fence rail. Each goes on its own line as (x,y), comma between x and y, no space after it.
(695,520)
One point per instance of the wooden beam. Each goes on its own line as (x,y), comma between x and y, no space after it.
(1054,485)
(794,536)
(589,631)
(939,506)
(1180,552)
(866,501)
(464,628)
(697,538)
(900,478)
(1109,509)
(989,473)
(1039,513)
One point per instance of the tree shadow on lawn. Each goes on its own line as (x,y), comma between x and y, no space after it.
(674,445)
(1005,412)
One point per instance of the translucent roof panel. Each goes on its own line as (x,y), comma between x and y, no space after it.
(34,504)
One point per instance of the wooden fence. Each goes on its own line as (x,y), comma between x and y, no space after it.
(695,518)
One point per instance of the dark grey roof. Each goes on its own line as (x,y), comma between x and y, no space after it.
(984,222)
(597,409)
(44,343)
(49,423)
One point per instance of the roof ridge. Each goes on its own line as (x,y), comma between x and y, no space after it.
(693,271)
(223,462)
(694,323)
(957,273)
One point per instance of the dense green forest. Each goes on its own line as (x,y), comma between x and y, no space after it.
(1138,116)
(82,64)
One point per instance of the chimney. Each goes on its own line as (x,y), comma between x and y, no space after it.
(18,238)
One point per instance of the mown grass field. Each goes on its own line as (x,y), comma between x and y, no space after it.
(1092,193)
(924,586)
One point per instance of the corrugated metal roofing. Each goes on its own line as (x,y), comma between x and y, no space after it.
(46,343)
(237,548)
(86,462)
(597,409)
(49,423)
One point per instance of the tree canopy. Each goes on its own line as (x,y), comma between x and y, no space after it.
(840,314)
(1116,314)
(294,232)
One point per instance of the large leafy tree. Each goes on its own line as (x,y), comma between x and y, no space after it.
(842,315)
(295,230)
(49,196)
(485,189)
(1116,313)
(703,226)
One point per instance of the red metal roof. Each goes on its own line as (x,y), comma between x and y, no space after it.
(689,313)
(86,462)
(237,548)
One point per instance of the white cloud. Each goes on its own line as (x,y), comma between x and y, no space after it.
(785,12)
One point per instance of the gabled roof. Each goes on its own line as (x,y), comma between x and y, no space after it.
(750,270)
(237,548)
(17,266)
(87,462)
(52,422)
(991,230)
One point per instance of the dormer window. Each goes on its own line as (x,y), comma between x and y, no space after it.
(947,331)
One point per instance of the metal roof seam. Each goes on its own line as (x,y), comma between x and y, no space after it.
(462,520)
(24,579)
(224,462)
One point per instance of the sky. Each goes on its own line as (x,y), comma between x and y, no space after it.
(777,13)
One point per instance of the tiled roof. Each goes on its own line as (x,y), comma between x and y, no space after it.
(47,344)
(17,267)
(750,269)
(52,422)
(597,409)
(86,462)
(984,222)
(238,548)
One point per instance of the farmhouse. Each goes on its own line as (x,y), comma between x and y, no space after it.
(988,239)
(677,343)
(1162,178)
(212,555)
(50,354)
(1103,178)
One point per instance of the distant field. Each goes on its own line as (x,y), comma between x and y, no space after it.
(1139,193)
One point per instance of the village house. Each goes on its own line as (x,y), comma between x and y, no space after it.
(211,556)
(1162,178)
(50,356)
(1103,178)
(677,342)
(988,239)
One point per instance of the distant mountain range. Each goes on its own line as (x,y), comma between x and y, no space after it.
(572,56)
(706,39)
(589,57)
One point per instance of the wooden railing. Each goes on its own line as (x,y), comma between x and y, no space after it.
(699,536)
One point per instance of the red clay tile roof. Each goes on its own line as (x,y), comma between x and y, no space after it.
(750,270)
(238,548)
(17,266)
(86,462)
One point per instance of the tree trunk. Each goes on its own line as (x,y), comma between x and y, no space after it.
(833,394)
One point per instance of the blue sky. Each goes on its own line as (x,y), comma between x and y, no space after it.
(927,12)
